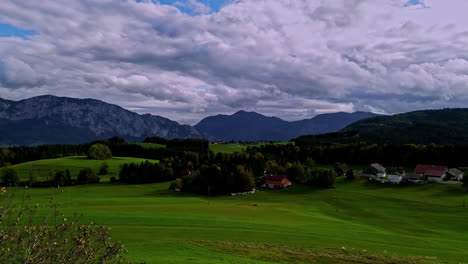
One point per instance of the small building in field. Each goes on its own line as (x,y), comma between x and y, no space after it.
(415,178)
(273,181)
(455,174)
(375,170)
(396,175)
(432,173)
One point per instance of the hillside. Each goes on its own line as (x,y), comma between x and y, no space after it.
(49,120)
(445,126)
(251,126)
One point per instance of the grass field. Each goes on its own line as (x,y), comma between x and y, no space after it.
(357,222)
(216,148)
(44,169)
(150,145)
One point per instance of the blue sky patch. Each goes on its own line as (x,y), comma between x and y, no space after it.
(8,30)
(182,5)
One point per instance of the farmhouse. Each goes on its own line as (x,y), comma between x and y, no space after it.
(396,175)
(375,170)
(276,181)
(455,174)
(431,172)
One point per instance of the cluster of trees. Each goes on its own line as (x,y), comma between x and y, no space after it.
(225,172)
(146,172)
(10,177)
(393,155)
(15,155)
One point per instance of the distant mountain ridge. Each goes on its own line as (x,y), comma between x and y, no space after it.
(52,120)
(444,126)
(251,126)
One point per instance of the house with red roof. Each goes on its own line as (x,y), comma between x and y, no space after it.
(273,181)
(432,173)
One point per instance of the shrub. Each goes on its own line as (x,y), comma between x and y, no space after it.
(104,170)
(350,175)
(10,176)
(99,152)
(51,241)
(87,175)
(62,178)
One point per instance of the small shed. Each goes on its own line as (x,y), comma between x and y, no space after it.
(455,174)
(273,181)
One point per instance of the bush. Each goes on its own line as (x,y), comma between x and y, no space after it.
(350,175)
(10,176)
(99,152)
(62,178)
(104,170)
(59,241)
(87,175)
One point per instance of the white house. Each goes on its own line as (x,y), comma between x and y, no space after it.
(395,176)
(436,175)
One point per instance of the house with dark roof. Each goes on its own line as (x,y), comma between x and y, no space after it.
(375,170)
(455,174)
(273,181)
(432,173)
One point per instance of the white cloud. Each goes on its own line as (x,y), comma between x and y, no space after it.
(289,58)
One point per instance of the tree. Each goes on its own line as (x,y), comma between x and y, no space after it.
(99,152)
(350,175)
(296,172)
(10,176)
(87,175)
(245,180)
(465,181)
(104,170)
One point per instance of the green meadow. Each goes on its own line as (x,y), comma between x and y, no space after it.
(358,222)
(217,148)
(44,169)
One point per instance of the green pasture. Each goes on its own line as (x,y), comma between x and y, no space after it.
(150,145)
(235,147)
(45,169)
(357,222)
(216,148)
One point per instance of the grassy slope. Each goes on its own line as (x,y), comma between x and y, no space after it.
(158,226)
(216,148)
(42,168)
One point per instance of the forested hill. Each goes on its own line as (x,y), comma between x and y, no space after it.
(446,126)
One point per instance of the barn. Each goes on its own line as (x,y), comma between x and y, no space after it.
(273,181)
(432,173)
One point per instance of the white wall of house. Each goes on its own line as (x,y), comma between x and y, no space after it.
(393,178)
(435,179)
(381,175)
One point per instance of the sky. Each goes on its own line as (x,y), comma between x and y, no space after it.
(188,59)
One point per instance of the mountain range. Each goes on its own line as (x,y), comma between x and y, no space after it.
(251,126)
(61,120)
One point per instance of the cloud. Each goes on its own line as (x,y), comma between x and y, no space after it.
(289,58)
